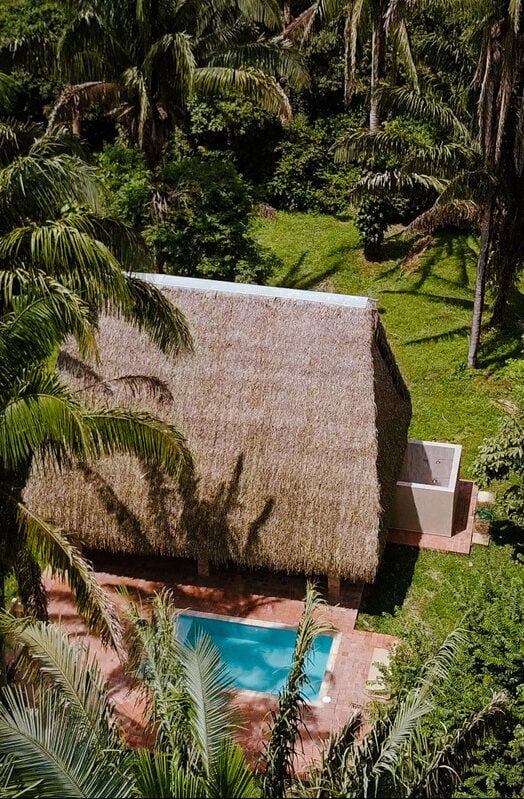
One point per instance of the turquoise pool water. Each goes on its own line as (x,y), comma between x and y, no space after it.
(258,658)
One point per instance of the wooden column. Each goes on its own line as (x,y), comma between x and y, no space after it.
(334,582)
(203,567)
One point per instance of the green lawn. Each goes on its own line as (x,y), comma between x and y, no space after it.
(427,314)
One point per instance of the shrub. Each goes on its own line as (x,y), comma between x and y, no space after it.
(306,177)
(203,227)
(493,660)
(371,222)
(501,457)
(127,184)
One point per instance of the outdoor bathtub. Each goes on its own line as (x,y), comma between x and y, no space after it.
(427,488)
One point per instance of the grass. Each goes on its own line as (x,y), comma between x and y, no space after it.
(427,315)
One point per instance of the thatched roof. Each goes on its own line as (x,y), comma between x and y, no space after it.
(297,418)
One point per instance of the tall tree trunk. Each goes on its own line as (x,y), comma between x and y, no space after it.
(76,123)
(349,65)
(378,64)
(480,284)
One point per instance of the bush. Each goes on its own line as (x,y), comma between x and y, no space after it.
(371,222)
(236,127)
(501,457)
(493,660)
(203,229)
(194,213)
(306,177)
(127,184)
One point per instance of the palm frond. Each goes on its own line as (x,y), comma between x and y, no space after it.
(50,658)
(151,311)
(44,740)
(206,681)
(455,213)
(405,100)
(298,29)
(38,324)
(285,728)
(401,39)
(53,549)
(448,764)
(171,59)
(267,12)
(39,412)
(154,659)
(37,183)
(70,255)
(230,774)
(263,90)
(160,774)
(114,431)
(78,98)
(382,183)
(269,58)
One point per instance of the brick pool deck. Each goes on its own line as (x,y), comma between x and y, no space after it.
(256,595)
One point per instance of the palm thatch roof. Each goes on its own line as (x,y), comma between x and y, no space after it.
(297,417)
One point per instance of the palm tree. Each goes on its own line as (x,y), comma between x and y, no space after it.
(43,422)
(60,266)
(60,737)
(479,172)
(385,20)
(401,756)
(277,760)
(143,61)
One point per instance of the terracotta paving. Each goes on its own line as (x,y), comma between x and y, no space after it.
(460,541)
(256,595)
(260,595)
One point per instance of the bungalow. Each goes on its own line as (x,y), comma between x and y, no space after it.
(296,414)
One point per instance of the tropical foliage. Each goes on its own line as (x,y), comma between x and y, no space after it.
(61,266)
(59,735)
(145,61)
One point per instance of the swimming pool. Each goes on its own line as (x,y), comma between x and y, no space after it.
(259,654)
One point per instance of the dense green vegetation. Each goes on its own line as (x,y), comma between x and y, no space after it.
(396,113)
(60,737)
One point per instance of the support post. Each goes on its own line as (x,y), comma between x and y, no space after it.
(203,567)
(334,583)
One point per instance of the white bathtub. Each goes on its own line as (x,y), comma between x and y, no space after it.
(427,488)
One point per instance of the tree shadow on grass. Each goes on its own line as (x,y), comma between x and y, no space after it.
(458,302)
(504,533)
(446,335)
(500,344)
(394,248)
(294,279)
(447,246)
(392,582)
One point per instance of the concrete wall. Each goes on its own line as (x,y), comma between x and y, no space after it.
(426,492)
